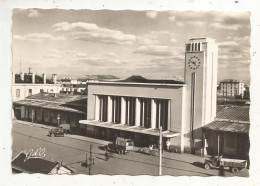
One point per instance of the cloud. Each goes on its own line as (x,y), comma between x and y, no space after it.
(151,14)
(106,60)
(156,50)
(225,26)
(157,38)
(52,54)
(38,37)
(228,43)
(33,13)
(92,32)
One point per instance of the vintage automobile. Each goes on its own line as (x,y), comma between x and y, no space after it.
(234,165)
(56,132)
(66,128)
(120,146)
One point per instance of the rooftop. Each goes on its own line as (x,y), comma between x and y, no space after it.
(140,79)
(235,113)
(63,102)
(33,165)
(28,79)
(227,126)
(230,81)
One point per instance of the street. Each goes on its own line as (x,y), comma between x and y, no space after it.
(72,152)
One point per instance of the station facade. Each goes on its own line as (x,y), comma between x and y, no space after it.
(137,108)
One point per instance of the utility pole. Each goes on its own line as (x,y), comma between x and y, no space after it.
(58,119)
(32,115)
(160,151)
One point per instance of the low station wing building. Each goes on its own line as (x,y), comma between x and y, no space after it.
(137,107)
(53,109)
(228,135)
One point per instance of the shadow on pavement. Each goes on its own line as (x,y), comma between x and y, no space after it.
(198,164)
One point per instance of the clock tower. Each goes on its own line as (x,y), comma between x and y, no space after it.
(201,60)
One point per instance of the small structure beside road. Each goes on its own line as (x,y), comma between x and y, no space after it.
(38,165)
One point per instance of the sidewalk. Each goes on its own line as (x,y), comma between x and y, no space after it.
(78,137)
(188,158)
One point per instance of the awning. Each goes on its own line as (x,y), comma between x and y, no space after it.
(154,132)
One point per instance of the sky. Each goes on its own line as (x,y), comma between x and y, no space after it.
(76,43)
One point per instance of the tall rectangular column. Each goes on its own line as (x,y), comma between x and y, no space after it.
(97,107)
(169,116)
(153,114)
(123,110)
(137,112)
(109,109)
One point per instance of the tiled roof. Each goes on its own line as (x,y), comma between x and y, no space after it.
(33,165)
(48,105)
(230,81)
(140,79)
(63,102)
(227,126)
(62,98)
(237,113)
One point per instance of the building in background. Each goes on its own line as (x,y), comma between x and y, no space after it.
(52,109)
(27,84)
(231,88)
(136,107)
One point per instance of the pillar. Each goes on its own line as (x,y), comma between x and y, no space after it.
(137,112)
(109,109)
(97,107)
(169,115)
(153,114)
(22,112)
(123,110)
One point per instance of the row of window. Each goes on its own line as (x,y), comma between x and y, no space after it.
(18,92)
(127,106)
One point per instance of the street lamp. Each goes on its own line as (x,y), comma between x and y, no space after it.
(160,151)
(58,119)
(32,115)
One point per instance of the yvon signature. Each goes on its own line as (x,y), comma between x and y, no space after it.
(39,153)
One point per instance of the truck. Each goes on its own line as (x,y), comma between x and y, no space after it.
(234,165)
(120,146)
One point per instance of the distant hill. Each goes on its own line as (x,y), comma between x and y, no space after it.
(98,77)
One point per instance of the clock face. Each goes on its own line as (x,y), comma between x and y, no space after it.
(194,62)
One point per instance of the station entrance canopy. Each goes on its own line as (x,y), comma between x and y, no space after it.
(148,131)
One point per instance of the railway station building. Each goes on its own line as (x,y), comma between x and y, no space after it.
(136,107)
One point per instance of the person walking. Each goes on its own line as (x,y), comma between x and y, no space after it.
(106,155)
(150,149)
(168,144)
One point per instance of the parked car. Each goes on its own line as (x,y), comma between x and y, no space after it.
(56,132)
(120,145)
(234,165)
(66,128)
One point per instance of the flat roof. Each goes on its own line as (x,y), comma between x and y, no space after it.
(142,130)
(143,84)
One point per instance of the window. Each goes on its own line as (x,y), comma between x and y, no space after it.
(116,109)
(130,110)
(30,92)
(162,113)
(145,112)
(103,108)
(17,93)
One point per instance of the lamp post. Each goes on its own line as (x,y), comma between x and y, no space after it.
(160,151)
(90,161)
(58,119)
(32,115)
